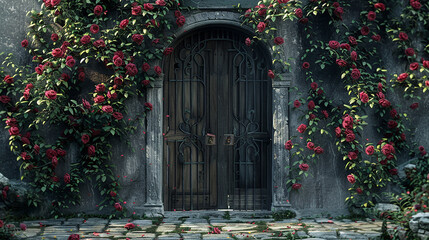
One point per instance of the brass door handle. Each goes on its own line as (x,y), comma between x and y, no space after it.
(210,139)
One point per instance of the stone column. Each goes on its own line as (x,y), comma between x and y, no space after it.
(280,156)
(154,140)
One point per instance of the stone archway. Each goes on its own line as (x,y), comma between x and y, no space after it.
(279,157)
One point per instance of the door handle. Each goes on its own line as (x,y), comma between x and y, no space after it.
(210,139)
(229,139)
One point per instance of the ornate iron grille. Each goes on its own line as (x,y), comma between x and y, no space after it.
(218,121)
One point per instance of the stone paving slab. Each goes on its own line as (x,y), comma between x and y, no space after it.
(221,236)
(163,228)
(141,223)
(174,236)
(191,236)
(93,228)
(96,221)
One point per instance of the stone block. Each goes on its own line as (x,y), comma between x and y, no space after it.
(382,207)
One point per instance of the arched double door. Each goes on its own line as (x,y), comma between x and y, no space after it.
(217,123)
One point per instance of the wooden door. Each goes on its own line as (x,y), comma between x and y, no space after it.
(217,106)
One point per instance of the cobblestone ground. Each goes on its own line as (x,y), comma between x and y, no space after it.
(207,227)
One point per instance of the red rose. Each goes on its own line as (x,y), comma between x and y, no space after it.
(168,51)
(298,13)
(117,61)
(112,194)
(352,40)
(146,82)
(384,102)
(279,40)
(51,94)
(304,167)
(318,150)
(67,178)
(8,79)
(148,105)
(369,150)
(85,138)
(261,26)
(54,37)
(4,99)
(297,104)
(426,64)
(282,1)
(124,23)
(416,5)
(303,20)
(301,128)
(371,16)
(353,56)
(158,70)
(74,237)
(107,109)
(155,41)
(352,155)
(355,74)
(341,62)
(91,150)
(409,52)
(376,37)
(111,95)
(81,76)
(160,2)
(137,38)
(23,226)
(364,30)
(54,161)
(24,43)
(180,21)
(392,124)
(364,97)
(98,10)
(99,43)
(261,10)
(345,46)
(137,10)
(99,99)
(421,149)
(11,122)
(314,86)
(117,115)
(288,145)
(359,190)
(387,149)
(350,137)
(414,106)
(310,145)
(131,69)
(36,149)
(94,28)
(351,179)
(311,116)
(148,6)
(403,36)
(402,77)
(177,13)
(339,12)
(347,122)
(414,66)
(129,226)
(380,6)
(57,52)
(70,61)
(305,65)
(145,67)
(311,105)
(334,44)
(85,39)
(118,207)
(380,86)
(393,113)
(271,74)
(325,113)
(248,42)
(296,186)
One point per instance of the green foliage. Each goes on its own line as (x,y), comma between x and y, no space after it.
(68,41)
(281,215)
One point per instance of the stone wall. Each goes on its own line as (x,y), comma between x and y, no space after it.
(323,193)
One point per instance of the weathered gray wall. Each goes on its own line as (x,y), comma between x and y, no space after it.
(323,192)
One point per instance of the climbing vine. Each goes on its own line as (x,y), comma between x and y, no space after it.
(68,39)
(354,55)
